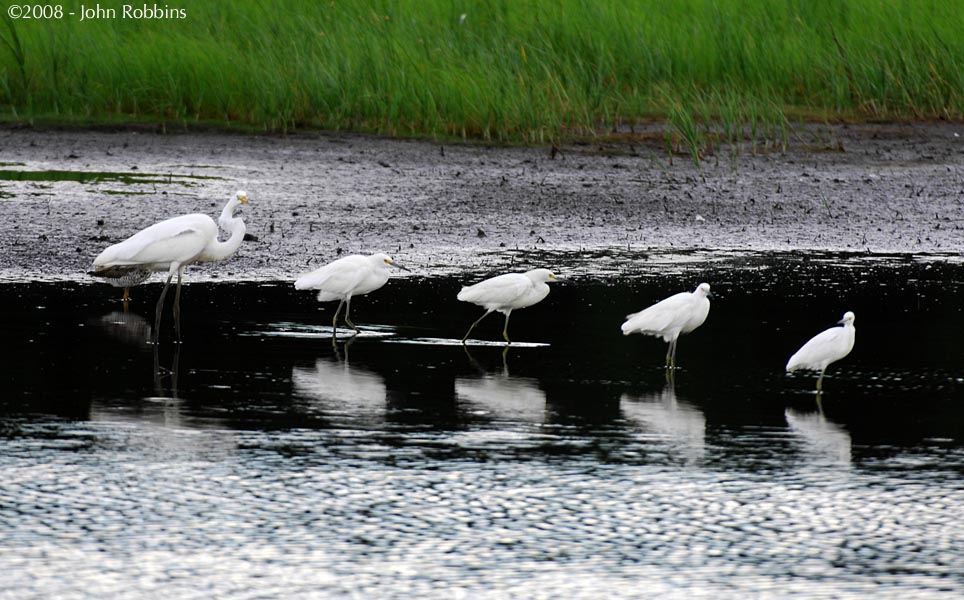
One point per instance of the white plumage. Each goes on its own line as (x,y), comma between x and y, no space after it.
(353,275)
(824,348)
(170,246)
(667,319)
(505,293)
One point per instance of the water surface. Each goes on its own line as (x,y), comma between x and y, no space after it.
(257,459)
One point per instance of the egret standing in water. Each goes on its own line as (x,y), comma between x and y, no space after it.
(348,276)
(505,293)
(680,313)
(170,246)
(824,348)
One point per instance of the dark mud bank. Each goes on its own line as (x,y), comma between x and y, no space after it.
(444,208)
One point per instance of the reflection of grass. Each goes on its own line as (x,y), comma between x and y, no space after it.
(513,70)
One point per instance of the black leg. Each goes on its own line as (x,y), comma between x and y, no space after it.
(160,307)
(474,324)
(334,320)
(177,305)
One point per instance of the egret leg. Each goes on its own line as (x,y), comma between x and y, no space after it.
(127,297)
(820,380)
(474,324)
(177,305)
(175,364)
(347,311)
(505,330)
(334,320)
(673,358)
(160,306)
(669,353)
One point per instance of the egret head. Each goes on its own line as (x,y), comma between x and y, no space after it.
(383,260)
(704,289)
(848,318)
(242,196)
(543,275)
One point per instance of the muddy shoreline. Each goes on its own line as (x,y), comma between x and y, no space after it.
(447,208)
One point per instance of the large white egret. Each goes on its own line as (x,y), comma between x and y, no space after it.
(824,348)
(348,276)
(680,313)
(170,246)
(505,293)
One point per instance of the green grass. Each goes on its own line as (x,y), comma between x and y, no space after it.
(510,70)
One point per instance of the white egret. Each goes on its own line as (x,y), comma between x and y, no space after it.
(348,276)
(505,293)
(170,246)
(680,313)
(824,348)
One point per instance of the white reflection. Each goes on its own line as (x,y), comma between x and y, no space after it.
(663,415)
(125,327)
(503,397)
(819,436)
(337,388)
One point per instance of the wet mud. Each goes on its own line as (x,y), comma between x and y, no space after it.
(446,208)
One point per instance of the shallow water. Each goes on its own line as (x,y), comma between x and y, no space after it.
(257,460)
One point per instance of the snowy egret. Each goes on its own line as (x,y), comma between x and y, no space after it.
(348,276)
(824,348)
(680,313)
(170,246)
(505,293)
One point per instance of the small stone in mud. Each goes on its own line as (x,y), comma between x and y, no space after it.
(480,233)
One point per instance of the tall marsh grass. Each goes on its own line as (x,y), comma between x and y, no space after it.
(509,70)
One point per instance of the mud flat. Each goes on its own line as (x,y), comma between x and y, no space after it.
(446,207)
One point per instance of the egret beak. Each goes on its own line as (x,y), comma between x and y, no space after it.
(398,266)
(554,277)
(243,199)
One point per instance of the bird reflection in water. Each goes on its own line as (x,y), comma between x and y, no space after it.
(126,327)
(337,389)
(819,437)
(664,416)
(501,396)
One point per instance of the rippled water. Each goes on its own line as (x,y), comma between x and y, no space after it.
(259,461)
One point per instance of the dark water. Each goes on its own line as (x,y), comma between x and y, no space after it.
(258,461)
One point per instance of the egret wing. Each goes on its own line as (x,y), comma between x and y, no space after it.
(498,291)
(822,349)
(336,279)
(180,239)
(663,316)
